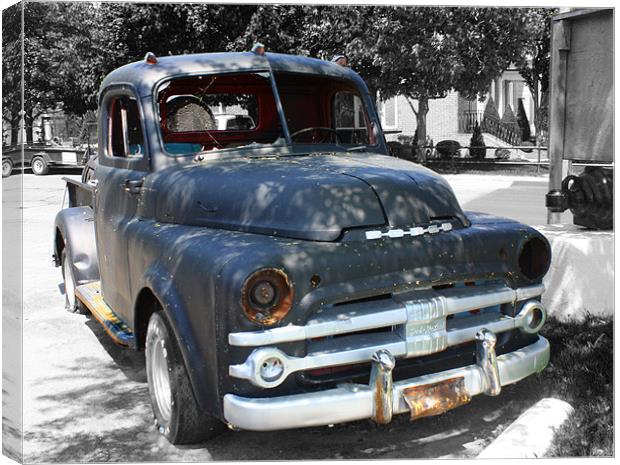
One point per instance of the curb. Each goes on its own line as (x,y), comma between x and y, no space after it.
(530,435)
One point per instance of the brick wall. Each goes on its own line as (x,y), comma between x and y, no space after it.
(441,120)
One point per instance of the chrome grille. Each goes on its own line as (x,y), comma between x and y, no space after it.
(408,325)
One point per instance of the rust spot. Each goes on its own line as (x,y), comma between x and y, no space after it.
(379,416)
(278,308)
(434,399)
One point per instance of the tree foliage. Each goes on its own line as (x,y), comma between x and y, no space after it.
(421,53)
(11,68)
(427,52)
(477,145)
(534,60)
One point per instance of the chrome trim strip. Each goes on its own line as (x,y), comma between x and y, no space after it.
(411,345)
(340,324)
(413,232)
(352,402)
(250,370)
(432,304)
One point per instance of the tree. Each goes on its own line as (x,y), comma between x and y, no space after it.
(11,68)
(42,59)
(524,123)
(428,52)
(320,32)
(50,31)
(124,32)
(71,47)
(533,63)
(477,147)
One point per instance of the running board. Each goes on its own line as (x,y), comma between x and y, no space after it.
(90,295)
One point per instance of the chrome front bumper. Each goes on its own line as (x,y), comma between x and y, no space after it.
(413,326)
(350,402)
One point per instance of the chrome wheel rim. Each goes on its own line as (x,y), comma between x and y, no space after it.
(37,166)
(6,168)
(160,377)
(69,284)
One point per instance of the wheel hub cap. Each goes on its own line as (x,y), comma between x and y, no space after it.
(161,377)
(69,284)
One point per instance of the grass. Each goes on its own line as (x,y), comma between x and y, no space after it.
(581,373)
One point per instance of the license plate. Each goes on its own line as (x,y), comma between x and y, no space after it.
(433,399)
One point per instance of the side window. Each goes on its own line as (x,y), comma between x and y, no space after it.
(349,118)
(125,138)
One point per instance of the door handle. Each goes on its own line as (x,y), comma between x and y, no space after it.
(133,186)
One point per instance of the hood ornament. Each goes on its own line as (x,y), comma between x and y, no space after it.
(417,231)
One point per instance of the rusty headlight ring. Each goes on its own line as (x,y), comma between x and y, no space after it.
(267,296)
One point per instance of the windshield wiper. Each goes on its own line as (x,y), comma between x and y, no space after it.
(359,147)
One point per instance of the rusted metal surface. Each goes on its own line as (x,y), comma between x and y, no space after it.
(281,301)
(434,399)
(381,384)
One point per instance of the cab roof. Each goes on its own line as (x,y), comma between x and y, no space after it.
(143,76)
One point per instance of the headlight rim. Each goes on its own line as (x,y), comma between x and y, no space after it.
(273,313)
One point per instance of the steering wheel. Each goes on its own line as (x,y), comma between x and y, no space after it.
(318,128)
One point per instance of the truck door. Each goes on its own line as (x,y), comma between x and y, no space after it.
(122,166)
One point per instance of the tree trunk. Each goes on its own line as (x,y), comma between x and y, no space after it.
(373,95)
(536,99)
(14,130)
(421,127)
(28,122)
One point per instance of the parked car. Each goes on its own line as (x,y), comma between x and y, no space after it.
(293,274)
(42,157)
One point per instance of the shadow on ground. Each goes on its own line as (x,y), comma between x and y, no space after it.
(100,412)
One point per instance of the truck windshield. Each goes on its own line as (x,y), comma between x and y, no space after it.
(324,110)
(214,112)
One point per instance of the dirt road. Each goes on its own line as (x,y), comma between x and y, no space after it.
(86,399)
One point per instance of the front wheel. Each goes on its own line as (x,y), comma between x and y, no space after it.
(177,415)
(39,166)
(7,167)
(72,303)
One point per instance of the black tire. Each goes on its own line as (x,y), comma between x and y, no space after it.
(7,167)
(72,303)
(39,166)
(177,416)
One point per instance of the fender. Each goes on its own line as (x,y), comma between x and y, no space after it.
(158,281)
(76,227)
(43,155)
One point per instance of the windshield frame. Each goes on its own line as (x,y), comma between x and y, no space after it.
(290,147)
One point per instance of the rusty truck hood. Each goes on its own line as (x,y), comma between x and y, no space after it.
(312,197)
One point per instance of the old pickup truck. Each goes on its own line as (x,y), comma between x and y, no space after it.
(285,271)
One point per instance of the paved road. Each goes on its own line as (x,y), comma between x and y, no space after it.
(521,198)
(86,399)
